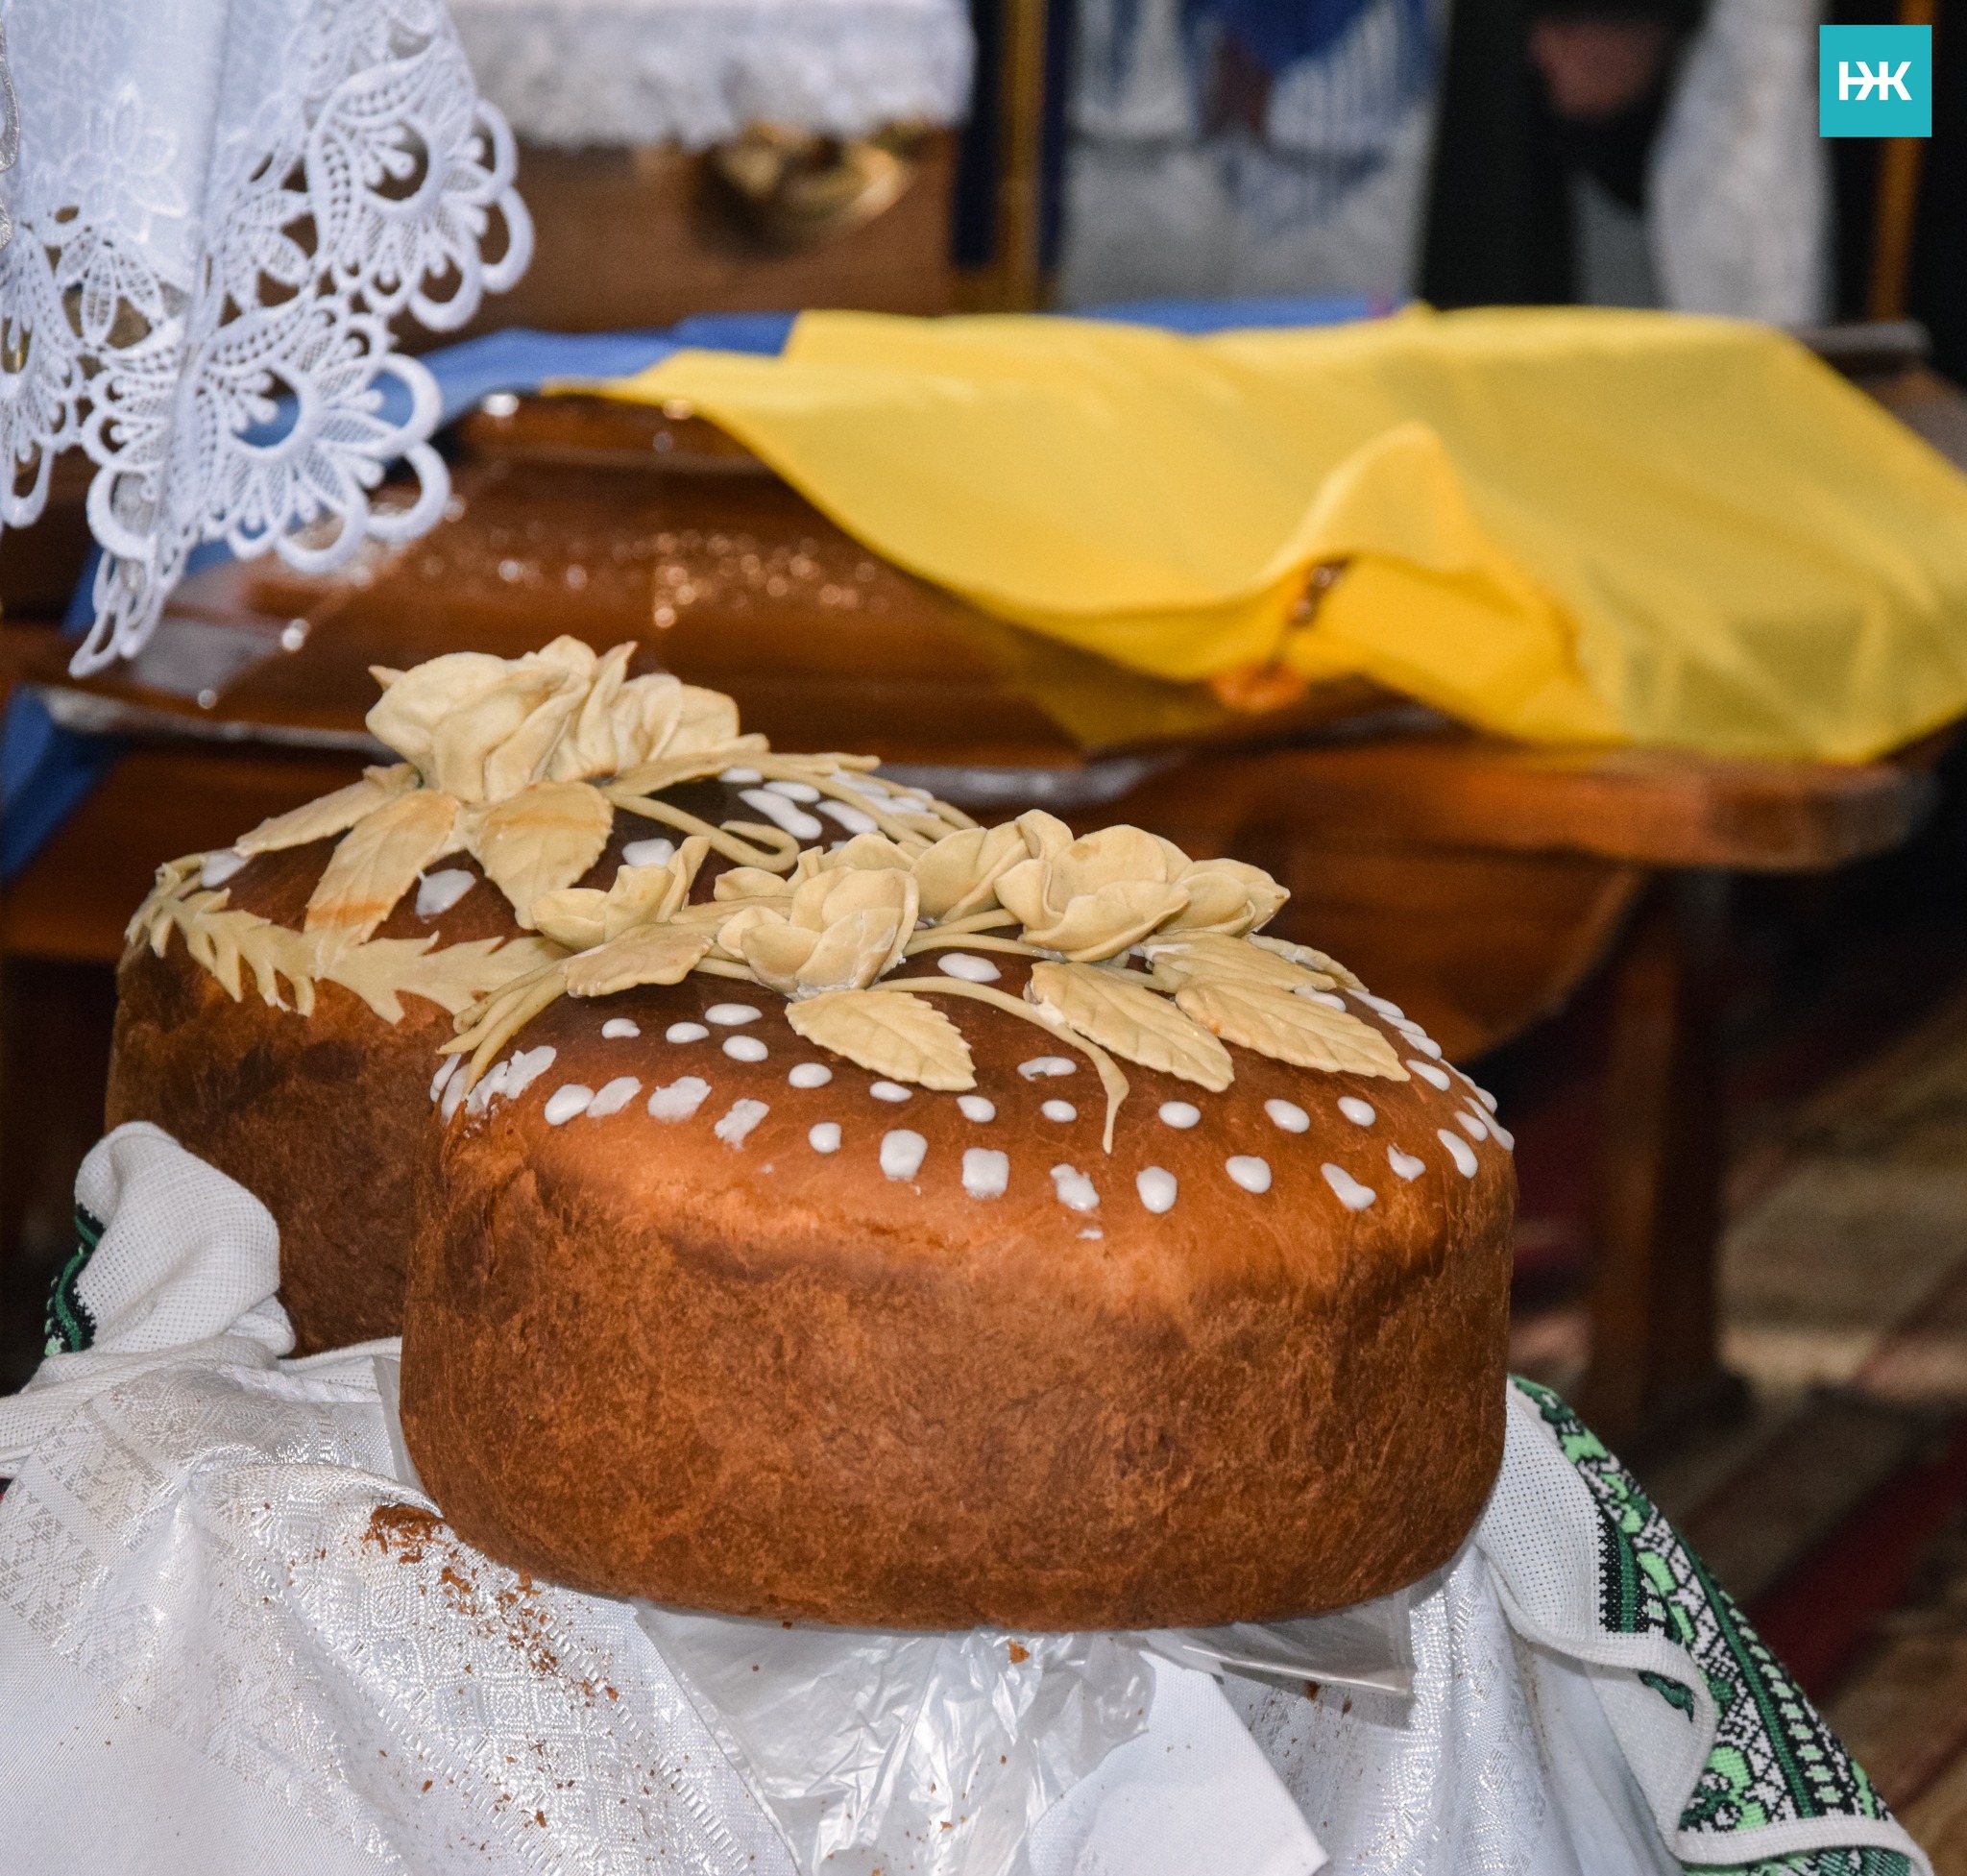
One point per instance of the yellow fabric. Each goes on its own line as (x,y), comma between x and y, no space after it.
(1561,523)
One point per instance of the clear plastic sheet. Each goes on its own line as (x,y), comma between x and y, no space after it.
(934,1754)
(1370,1646)
(912,1755)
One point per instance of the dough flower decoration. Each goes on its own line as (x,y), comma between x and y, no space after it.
(1137,953)
(522,764)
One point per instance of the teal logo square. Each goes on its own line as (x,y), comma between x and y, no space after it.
(1873,81)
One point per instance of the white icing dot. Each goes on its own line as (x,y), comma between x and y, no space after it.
(1075,1189)
(1482,1094)
(1046,1065)
(803,791)
(565,1102)
(1353,1196)
(967,966)
(852,818)
(1429,1073)
(737,777)
(742,1118)
(1404,1164)
(220,867)
(438,892)
(1180,1113)
(824,1138)
(526,1067)
(1359,1113)
(889,1092)
(1157,1186)
(1324,997)
(618,1028)
(1425,1042)
(451,1064)
(1250,1172)
(1504,1139)
(680,1099)
(1288,1116)
(796,821)
(1392,1012)
(745,1048)
(986,1174)
(685,1032)
(612,1096)
(453,1095)
(902,1151)
(1459,1151)
(1059,1111)
(1476,1129)
(810,1074)
(974,1106)
(648,853)
(492,1083)
(728,1015)
(1092,1232)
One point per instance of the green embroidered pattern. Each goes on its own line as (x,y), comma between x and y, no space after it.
(1773,1760)
(1865,1861)
(68,1326)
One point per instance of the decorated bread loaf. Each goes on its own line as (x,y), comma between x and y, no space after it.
(954,1224)
(283,1002)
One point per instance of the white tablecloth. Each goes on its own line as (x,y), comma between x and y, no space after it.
(220,1651)
(696,72)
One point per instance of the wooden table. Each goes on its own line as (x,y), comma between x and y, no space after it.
(1476,884)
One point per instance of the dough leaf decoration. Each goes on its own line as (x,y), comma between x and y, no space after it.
(377,862)
(1208,957)
(332,814)
(1133,1022)
(1290,1028)
(542,840)
(649,954)
(386,970)
(224,942)
(1312,960)
(899,1037)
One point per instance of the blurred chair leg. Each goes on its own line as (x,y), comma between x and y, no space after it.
(1655,1354)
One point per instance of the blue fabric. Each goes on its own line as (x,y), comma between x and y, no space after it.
(45,772)
(520,358)
(1196,317)
(45,775)
(1279,33)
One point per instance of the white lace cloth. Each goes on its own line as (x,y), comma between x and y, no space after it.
(221,204)
(695,72)
(216,1658)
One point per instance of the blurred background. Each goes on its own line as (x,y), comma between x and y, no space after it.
(1725,1011)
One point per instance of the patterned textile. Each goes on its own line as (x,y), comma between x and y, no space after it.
(1773,1760)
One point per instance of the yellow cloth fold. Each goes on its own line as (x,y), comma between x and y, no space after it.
(1558,523)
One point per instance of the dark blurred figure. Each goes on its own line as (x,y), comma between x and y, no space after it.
(1537,94)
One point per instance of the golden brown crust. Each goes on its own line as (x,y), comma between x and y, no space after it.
(322,1117)
(770,1381)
